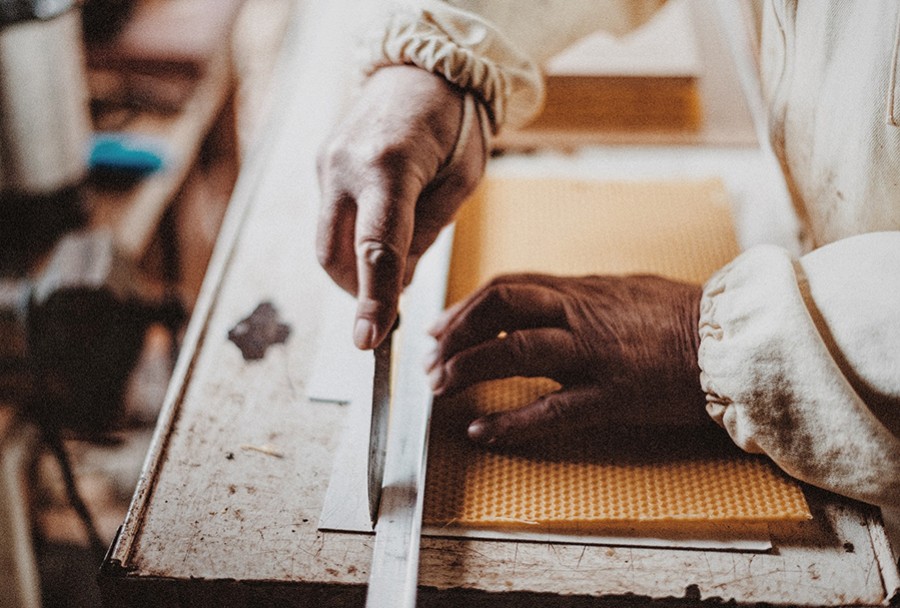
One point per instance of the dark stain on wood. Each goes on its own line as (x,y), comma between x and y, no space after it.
(256,333)
(692,593)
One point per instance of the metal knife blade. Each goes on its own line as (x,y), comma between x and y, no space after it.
(381,407)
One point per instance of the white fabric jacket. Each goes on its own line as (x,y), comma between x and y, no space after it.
(800,357)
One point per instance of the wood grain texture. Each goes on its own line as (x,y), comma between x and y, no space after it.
(213,524)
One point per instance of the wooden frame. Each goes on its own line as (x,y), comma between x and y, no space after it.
(216,521)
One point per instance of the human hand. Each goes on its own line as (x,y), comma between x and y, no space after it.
(624,350)
(392,176)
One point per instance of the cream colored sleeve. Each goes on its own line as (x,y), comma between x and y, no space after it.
(494,48)
(801,361)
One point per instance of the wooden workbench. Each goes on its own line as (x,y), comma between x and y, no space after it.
(225,513)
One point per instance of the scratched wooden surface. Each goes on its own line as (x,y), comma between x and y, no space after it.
(225,513)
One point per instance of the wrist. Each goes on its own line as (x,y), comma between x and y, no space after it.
(689,317)
(690,321)
(440,40)
(679,392)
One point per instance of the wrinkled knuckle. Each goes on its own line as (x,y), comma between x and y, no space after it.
(555,409)
(481,295)
(488,300)
(516,345)
(495,293)
(378,254)
(504,295)
(375,250)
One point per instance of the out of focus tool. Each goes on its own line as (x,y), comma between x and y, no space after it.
(44,119)
(70,336)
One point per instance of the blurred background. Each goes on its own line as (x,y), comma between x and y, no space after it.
(123,124)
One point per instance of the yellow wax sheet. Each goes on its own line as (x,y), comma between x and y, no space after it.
(651,476)
(679,229)
(658,477)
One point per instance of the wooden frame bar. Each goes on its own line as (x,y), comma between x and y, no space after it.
(219,521)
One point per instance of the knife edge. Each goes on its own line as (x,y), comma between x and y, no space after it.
(378,430)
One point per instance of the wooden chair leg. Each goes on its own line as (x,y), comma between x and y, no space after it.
(18,569)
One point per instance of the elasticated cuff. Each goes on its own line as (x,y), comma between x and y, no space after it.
(772,383)
(468,52)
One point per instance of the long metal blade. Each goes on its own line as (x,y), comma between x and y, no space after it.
(381,408)
(393,577)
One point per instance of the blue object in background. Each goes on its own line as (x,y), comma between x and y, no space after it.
(111,152)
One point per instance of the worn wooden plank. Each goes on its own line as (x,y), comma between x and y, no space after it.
(271,387)
(226,510)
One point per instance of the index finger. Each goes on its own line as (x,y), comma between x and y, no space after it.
(502,306)
(384,227)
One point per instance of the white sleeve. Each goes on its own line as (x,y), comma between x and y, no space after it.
(800,360)
(494,48)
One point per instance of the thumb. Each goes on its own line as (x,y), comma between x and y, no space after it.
(564,413)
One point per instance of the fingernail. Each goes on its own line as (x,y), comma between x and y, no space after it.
(435,378)
(478,431)
(364,334)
